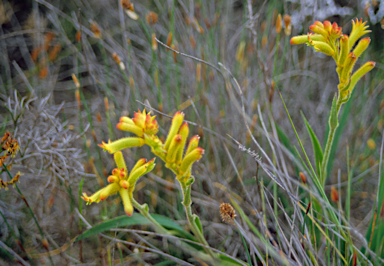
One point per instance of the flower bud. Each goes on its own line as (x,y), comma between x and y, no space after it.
(319,30)
(130,128)
(361,46)
(151,165)
(121,144)
(136,174)
(348,66)
(316,37)
(173,148)
(299,39)
(113,179)
(176,123)
(128,208)
(119,160)
(193,143)
(323,47)
(359,73)
(189,159)
(124,184)
(344,49)
(139,163)
(184,132)
(327,26)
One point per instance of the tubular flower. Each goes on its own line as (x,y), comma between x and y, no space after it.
(329,39)
(121,182)
(121,144)
(141,124)
(171,152)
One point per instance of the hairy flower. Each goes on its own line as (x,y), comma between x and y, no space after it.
(121,182)
(142,123)
(329,39)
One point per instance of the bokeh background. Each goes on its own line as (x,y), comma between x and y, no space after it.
(42,43)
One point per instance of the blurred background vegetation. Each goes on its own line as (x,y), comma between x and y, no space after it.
(121,69)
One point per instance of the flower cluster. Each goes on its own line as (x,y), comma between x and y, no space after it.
(145,127)
(329,39)
(121,182)
(10,146)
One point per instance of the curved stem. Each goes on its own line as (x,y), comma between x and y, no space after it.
(143,210)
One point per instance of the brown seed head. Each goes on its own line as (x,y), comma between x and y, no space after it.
(287,23)
(96,30)
(278,24)
(116,58)
(152,18)
(192,41)
(334,194)
(227,213)
(303,178)
(126,4)
(78,36)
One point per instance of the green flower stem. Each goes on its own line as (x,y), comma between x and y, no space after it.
(187,202)
(143,209)
(328,146)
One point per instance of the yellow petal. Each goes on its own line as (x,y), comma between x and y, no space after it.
(119,160)
(128,208)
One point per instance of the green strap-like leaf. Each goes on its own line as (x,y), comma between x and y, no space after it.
(315,144)
(135,219)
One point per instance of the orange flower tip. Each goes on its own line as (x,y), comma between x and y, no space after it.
(110,178)
(195,137)
(129,213)
(327,24)
(103,198)
(124,184)
(101,145)
(143,160)
(185,124)
(152,161)
(201,150)
(366,39)
(115,171)
(178,138)
(318,23)
(371,63)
